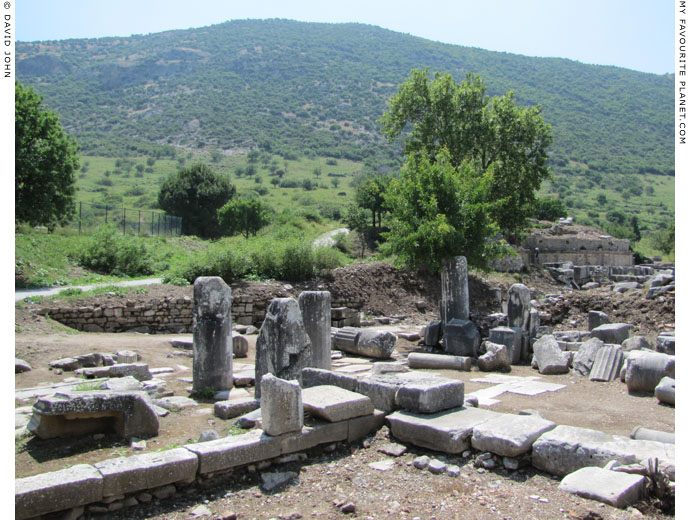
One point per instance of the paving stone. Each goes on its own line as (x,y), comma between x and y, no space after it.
(335,404)
(431,396)
(124,475)
(56,491)
(393,449)
(607,363)
(509,435)
(448,431)
(568,448)
(175,403)
(610,487)
(273,480)
(230,409)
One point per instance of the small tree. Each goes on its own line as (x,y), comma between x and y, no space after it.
(357,220)
(549,209)
(45,163)
(196,194)
(243,216)
(370,194)
(665,239)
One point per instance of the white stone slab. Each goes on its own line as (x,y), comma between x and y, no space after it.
(535,388)
(509,435)
(335,404)
(614,488)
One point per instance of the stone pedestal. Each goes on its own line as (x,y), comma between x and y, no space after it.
(281,406)
(212,334)
(316,314)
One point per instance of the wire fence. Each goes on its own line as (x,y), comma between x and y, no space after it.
(130,221)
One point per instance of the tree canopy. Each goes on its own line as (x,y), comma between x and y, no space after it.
(486,133)
(245,216)
(195,194)
(45,162)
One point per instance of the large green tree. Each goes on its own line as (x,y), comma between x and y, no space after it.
(370,194)
(245,216)
(487,133)
(45,162)
(439,211)
(195,194)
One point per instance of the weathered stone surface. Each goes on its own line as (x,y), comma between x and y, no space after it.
(430,395)
(615,333)
(440,361)
(21,366)
(126,356)
(283,347)
(584,357)
(127,414)
(461,338)
(240,345)
(596,318)
(607,363)
(654,292)
(122,384)
(509,435)
(549,357)
(346,338)
(496,358)
(273,480)
(67,364)
(212,332)
(57,490)
(622,287)
(568,448)
(234,408)
(335,404)
(377,344)
(383,368)
(644,370)
(637,343)
(138,370)
(665,391)
(666,343)
(281,406)
(661,279)
(511,337)
(432,333)
(316,314)
(175,403)
(448,431)
(610,487)
(646,434)
(519,306)
(455,297)
(149,470)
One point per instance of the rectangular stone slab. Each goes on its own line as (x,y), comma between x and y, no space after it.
(148,470)
(448,431)
(566,449)
(334,404)
(614,488)
(509,435)
(430,395)
(57,490)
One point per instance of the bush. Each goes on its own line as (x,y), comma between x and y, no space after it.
(327,258)
(549,209)
(297,262)
(112,253)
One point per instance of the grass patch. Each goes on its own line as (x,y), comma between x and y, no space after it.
(236,430)
(87,387)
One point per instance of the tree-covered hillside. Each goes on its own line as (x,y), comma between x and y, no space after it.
(292,88)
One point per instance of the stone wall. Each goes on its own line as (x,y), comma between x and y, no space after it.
(174,315)
(604,250)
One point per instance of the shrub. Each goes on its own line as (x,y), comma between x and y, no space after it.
(327,258)
(297,262)
(112,253)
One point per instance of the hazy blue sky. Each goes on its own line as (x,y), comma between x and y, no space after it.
(635,34)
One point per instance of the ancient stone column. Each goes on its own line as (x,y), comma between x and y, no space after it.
(212,334)
(518,306)
(283,347)
(455,297)
(316,314)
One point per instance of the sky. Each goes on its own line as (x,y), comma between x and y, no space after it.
(634,34)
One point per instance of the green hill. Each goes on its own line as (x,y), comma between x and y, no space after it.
(293,88)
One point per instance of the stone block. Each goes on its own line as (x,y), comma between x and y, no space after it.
(607,363)
(360,427)
(511,337)
(509,435)
(519,306)
(281,406)
(68,414)
(610,487)
(644,370)
(234,408)
(377,344)
(637,343)
(124,475)
(449,431)
(432,333)
(496,358)
(584,358)
(596,318)
(439,361)
(333,404)
(665,391)
(381,390)
(139,371)
(461,338)
(316,314)
(126,356)
(568,448)
(455,298)
(548,356)
(430,395)
(666,344)
(21,366)
(615,333)
(56,491)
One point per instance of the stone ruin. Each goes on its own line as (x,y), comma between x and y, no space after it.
(293,377)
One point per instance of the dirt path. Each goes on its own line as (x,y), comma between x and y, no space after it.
(20,294)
